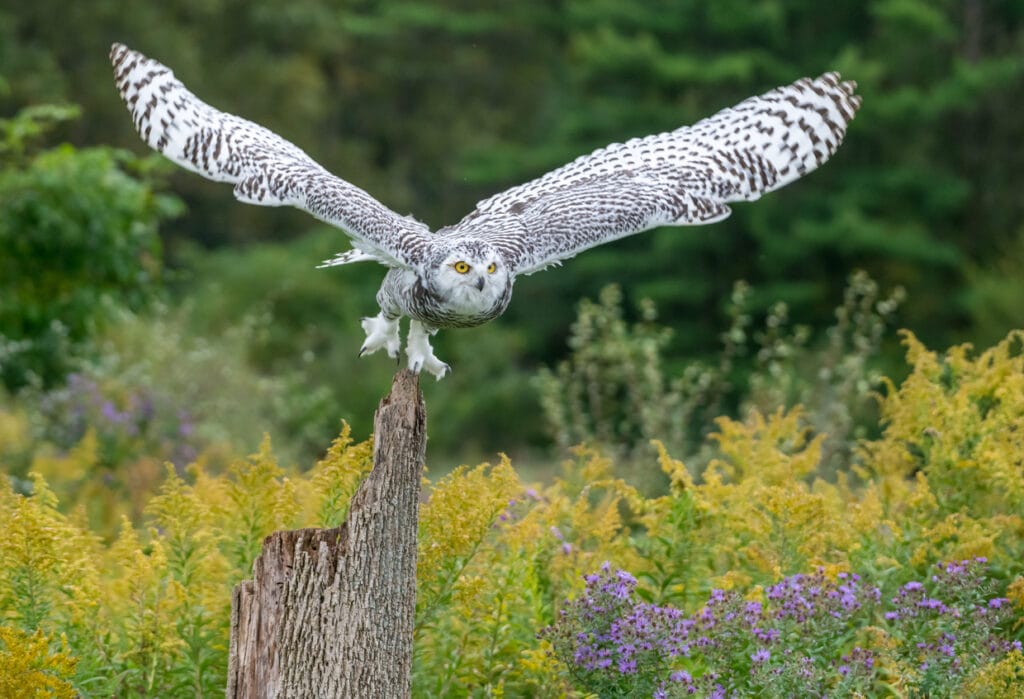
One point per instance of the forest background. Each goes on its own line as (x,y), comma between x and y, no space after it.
(431,106)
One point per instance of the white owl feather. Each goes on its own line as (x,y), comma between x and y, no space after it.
(463,274)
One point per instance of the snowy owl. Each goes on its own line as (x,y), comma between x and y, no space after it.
(462,275)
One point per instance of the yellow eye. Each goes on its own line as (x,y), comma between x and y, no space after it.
(491,267)
(461,267)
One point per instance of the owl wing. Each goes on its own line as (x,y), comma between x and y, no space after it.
(265,168)
(683,177)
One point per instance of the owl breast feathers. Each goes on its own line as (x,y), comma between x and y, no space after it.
(462,275)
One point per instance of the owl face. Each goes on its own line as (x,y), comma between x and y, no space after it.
(472,276)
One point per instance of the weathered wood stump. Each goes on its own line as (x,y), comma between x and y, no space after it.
(329,612)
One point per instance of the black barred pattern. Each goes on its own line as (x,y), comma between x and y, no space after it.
(683,177)
(265,168)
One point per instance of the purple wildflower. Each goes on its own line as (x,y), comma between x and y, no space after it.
(681,676)
(765,635)
(953,623)
(110,412)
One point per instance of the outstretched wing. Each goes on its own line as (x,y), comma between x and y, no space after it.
(265,168)
(683,177)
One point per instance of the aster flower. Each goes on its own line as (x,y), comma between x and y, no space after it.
(621,646)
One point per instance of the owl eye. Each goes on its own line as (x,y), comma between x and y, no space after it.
(491,267)
(461,267)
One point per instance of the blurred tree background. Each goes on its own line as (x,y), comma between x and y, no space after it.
(207,322)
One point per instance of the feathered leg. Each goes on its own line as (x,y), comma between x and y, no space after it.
(421,354)
(381,332)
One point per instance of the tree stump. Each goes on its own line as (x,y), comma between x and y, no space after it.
(329,612)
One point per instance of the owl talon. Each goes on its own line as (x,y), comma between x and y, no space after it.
(380,332)
(421,354)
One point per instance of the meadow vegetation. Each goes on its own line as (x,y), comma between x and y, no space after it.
(897,573)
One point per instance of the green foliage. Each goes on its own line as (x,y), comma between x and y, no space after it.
(833,378)
(27,126)
(613,389)
(253,347)
(147,613)
(159,393)
(995,292)
(616,390)
(78,230)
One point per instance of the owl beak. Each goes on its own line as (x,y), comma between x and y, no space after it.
(480,283)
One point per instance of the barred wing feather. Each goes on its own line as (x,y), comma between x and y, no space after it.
(683,177)
(265,169)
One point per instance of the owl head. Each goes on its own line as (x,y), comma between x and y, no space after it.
(471,272)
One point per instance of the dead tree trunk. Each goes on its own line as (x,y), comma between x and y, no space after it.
(329,612)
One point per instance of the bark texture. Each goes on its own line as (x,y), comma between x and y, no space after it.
(329,612)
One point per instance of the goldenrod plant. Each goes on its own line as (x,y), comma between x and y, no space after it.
(32,665)
(144,612)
